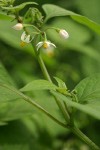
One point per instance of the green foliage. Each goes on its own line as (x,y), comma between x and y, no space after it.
(72,60)
(92,12)
(4,17)
(61,84)
(33,16)
(92,108)
(89,89)
(6,2)
(88,93)
(54,11)
(4,77)
(79,44)
(12,106)
(19,7)
(39,85)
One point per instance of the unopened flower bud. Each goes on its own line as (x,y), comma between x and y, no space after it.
(63,33)
(18,26)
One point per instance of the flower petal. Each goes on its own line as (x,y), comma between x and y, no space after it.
(39,45)
(27,40)
(23,36)
(51,44)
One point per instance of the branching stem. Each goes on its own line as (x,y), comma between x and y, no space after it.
(75,130)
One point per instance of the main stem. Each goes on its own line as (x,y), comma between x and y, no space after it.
(43,68)
(47,76)
(75,130)
(83,137)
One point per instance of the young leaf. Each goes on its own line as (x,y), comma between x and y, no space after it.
(92,108)
(19,7)
(54,11)
(61,86)
(39,85)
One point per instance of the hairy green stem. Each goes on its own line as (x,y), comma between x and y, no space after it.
(84,138)
(67,111)
(43,68)
(64,112)
(47,76)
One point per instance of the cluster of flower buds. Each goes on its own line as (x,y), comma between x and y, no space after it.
(45,44)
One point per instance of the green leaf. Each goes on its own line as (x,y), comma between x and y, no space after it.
(19,7)
(89,89)
(92,109)
(93,12)
(5,94)
(12,105)
(15,136)
(4,76)
(46,100)
(39,85)
(54,11)
(15,105)
(15,109)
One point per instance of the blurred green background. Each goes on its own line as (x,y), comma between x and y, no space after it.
(74,59)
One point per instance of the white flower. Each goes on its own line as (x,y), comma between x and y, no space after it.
(18,26)
(45,45)
(25,39)
(63,33)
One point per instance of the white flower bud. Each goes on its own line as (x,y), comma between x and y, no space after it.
(64,34)
(18,26)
